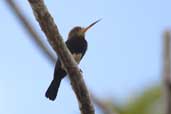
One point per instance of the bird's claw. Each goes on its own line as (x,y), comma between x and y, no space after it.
(81,71)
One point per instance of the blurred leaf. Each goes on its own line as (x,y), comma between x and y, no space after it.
(145,103)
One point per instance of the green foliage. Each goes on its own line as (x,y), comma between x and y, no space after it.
(147,102)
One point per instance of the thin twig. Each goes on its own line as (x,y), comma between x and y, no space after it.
(51,31)
(105,109)
(35,37)
(167,72)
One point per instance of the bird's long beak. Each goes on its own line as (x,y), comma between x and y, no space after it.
(87,28)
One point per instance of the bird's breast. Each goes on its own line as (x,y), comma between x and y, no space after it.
(77,45)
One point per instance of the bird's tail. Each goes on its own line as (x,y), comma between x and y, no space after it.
(52,91)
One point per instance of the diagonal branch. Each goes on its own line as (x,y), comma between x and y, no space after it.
(51,31)
(43,48)
(167,72)
(31,31)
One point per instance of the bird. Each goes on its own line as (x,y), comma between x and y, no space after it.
(77,45)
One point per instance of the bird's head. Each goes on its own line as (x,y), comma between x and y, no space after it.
(80,31)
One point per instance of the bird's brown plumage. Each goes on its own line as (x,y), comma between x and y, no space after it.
(77,45)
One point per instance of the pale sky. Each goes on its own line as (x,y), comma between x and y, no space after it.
(123,57)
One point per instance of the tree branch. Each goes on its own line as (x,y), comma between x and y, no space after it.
(51,31)
(42,47)
(31,31)
(167,72)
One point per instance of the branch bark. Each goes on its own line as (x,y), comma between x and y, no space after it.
(51,31)
(167,72)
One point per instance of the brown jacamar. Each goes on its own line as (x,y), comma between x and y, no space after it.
(77,45)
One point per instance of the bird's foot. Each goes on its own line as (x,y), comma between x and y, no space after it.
(81,71)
